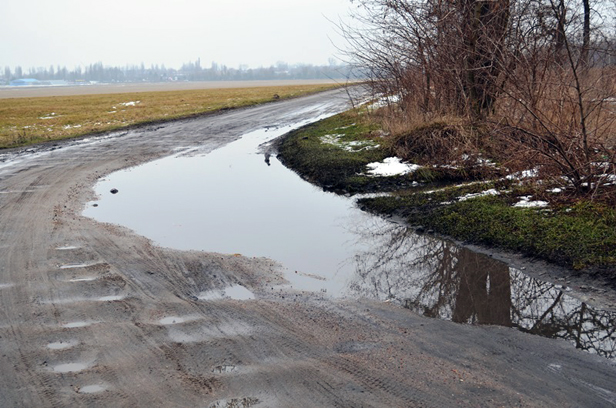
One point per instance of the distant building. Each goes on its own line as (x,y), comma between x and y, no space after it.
(25,81)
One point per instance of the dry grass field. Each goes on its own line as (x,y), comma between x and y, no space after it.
(26,121)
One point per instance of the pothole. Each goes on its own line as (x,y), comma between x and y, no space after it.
(70,367)
(92,389)
(84,279)
(62,345)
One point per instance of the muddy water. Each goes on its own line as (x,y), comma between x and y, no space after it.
(239,200)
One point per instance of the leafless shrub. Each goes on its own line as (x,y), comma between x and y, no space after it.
(537,77)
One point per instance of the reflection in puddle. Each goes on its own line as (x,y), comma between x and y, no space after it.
(439,279)
(70,367)
(236,292)
(91,389)
(78,324)
(208,333)
(112,298)
(84,279)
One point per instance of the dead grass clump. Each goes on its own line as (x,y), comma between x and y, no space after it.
(435,143)
(452,144)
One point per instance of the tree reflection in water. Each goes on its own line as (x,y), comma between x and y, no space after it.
(439,279)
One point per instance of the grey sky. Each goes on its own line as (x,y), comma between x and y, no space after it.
(39,33)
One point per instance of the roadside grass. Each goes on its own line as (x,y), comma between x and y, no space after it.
(334,152)
(25,121)
(576,234)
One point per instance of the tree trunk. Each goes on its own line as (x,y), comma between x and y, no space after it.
(586,34)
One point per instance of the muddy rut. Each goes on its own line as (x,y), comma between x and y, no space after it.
(94,315)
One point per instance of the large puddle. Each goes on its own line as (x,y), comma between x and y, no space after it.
(238,200)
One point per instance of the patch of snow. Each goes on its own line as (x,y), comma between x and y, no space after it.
(526,203)
(474,195)
(609,177)
(131,103)
(353,146)
(524,174)
(481,194)
(72,127)
(445,166)
(331,139)
(391,166)
(486,162)
(556,190)
(385,101)
(346,127)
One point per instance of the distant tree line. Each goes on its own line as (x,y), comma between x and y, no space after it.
(191,71)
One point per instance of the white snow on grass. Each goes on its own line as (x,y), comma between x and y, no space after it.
(391,166)
(131,103)
(469,196)
(385,101)
(481,194)
(525,202)
(523,174)
(353,146)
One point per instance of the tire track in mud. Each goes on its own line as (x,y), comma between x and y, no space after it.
(336,361)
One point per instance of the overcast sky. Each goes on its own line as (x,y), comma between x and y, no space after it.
(40,33)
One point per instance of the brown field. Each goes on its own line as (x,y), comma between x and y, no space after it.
(54,113)
(97,89)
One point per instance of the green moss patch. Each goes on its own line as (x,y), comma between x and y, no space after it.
(577,237)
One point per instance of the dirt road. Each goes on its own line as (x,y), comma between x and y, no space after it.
(93,315)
